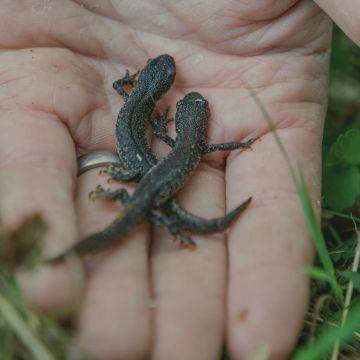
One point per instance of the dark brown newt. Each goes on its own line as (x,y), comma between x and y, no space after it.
(133,147)
(131,143)
(160,183)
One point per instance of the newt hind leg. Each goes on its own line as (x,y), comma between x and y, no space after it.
(159,218)
(119,173)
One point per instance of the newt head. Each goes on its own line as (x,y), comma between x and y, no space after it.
(157,76)
(192,114)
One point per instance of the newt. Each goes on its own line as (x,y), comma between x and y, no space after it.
(133,147)
(160,183)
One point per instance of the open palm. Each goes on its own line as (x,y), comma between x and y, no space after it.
(150,297)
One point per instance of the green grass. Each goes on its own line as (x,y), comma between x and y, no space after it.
(27,335)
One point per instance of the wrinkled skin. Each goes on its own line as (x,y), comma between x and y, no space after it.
(148,298)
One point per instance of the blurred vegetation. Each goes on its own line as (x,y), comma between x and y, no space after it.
(332,328)
(341,147)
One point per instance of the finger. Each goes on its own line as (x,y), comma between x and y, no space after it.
(37,170)
(270,246)
(347,16)
(38,154)
(188,286)
(114,320)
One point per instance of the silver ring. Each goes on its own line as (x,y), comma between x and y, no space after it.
(96,159)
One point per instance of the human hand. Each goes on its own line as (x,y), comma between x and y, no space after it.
(57,99)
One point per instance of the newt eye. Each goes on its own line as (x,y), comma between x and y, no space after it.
(170,73)
(179,104)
